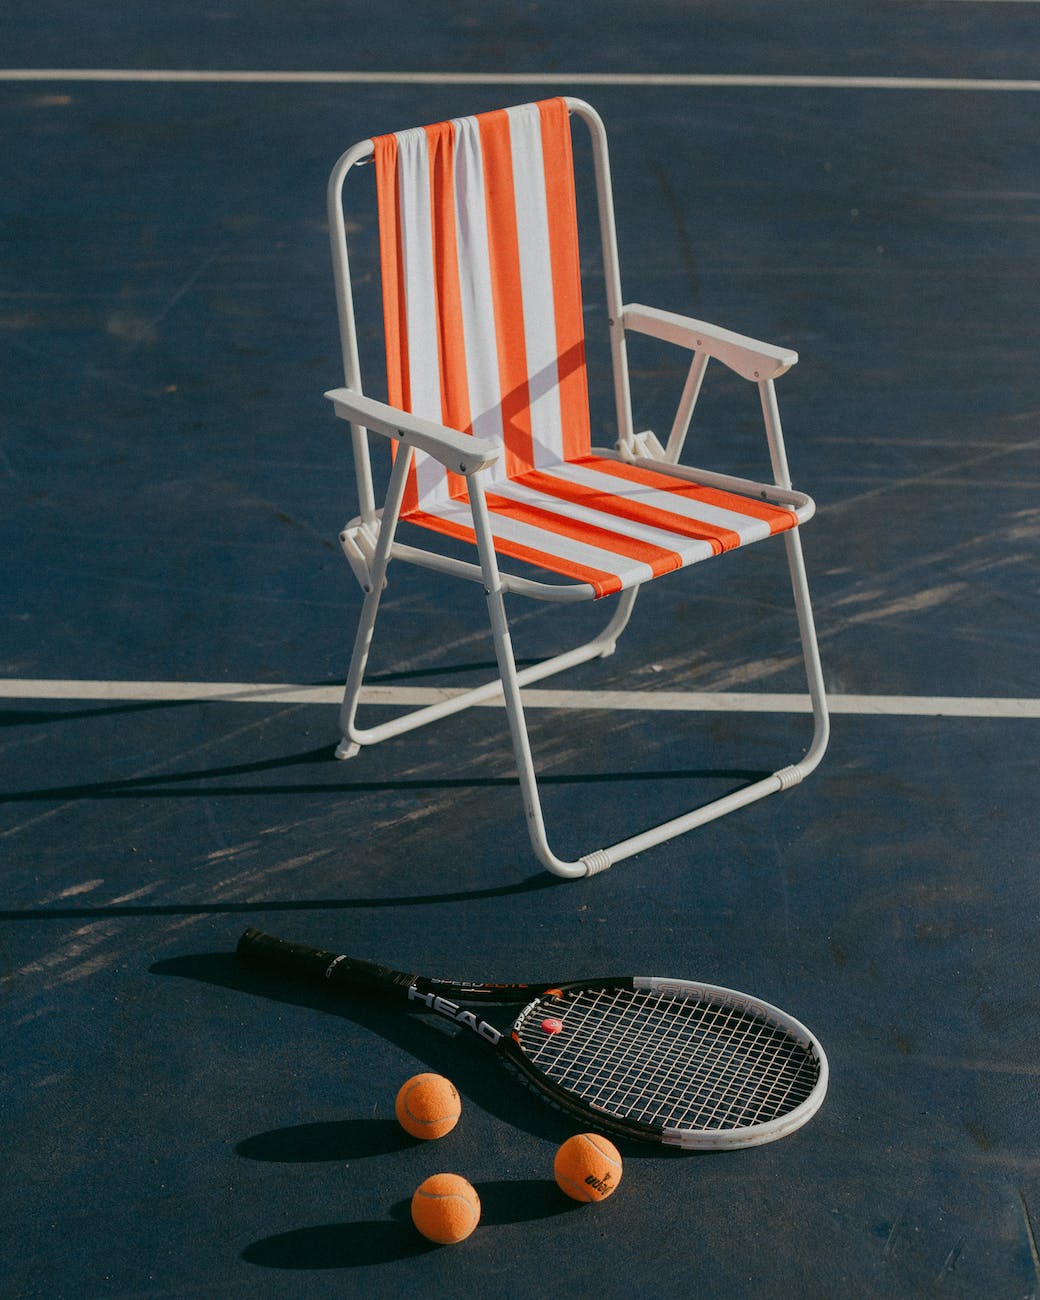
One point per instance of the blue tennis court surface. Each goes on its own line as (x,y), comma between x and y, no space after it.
(177,617)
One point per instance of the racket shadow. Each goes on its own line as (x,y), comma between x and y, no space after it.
(442,1051)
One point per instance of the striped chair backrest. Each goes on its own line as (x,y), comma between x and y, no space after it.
(481,287)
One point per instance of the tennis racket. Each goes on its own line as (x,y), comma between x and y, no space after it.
(661,1060)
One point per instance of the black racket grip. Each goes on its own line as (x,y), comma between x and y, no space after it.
(317,964)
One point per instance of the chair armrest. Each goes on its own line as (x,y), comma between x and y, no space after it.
(748,357)
(460,452)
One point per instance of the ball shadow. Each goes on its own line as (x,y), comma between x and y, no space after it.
(521,1200)
(333,1140)
(338,1246)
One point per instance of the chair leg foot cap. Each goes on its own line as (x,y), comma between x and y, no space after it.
(347,749)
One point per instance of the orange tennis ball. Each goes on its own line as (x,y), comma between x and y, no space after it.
(445,1209)
(587,1167)
(428,1106)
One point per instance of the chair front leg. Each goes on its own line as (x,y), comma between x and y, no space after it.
(352,738)
(511,686)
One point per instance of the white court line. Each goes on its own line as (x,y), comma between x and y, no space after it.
(937,706)
(172,76)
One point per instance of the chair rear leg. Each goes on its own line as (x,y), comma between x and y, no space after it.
(600,646)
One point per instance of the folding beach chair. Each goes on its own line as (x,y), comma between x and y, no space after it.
(489,417)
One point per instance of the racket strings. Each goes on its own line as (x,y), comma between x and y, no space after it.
(671,1062)
(652,1081)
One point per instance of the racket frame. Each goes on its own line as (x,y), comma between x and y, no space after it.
(687,1139)
(447,999)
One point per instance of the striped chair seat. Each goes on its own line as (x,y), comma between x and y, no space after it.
(610,524)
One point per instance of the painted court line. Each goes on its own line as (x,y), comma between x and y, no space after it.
(171,76)
(937,706)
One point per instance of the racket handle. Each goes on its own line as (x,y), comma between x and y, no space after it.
(317,964)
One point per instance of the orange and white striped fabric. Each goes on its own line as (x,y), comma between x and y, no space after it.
(484,333)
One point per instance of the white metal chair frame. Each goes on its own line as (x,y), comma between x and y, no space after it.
(369,541)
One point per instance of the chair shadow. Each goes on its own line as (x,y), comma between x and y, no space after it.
(200,783)
(168,784)
(530,884)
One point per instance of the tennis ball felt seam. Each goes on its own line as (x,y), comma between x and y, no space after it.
(445,1196)
(604,1150)
(419,1119)
(428,1106)
(445,1209)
